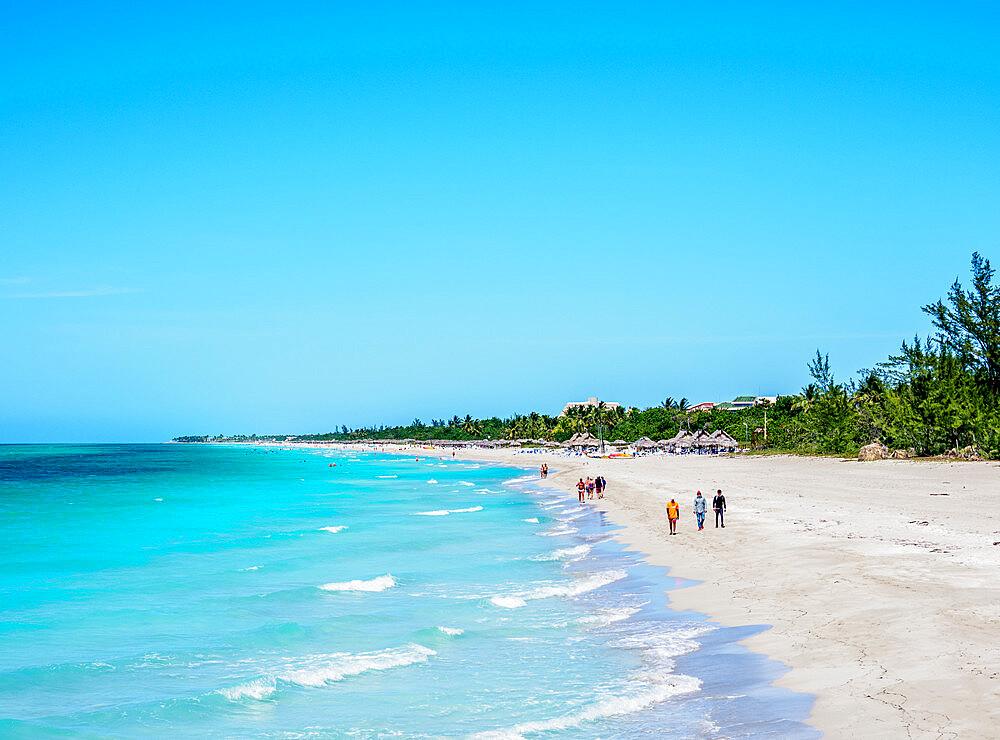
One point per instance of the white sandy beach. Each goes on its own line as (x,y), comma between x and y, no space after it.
(881,591)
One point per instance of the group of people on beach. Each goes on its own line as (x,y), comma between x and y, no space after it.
(591,485)
(543,472)
(700,508)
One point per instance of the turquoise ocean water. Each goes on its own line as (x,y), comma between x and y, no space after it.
(208,591)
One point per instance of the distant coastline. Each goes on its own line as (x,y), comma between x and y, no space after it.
(937,397)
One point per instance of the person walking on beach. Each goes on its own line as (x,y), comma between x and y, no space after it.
(590,487)
(598,487)
(719,504)
(673,512)
(581,487)
(700,506)
(604,486)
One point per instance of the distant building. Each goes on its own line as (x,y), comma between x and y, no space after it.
(703,406)
(589,402)
(745,402)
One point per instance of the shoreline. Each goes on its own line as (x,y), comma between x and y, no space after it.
(736,685)
(877,580)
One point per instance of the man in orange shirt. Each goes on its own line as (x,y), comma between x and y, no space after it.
(673,512)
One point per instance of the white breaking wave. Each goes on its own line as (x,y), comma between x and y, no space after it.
(575,588)
(252,567)
(318,670)
(509,602)
(388,476)
(446,512)
(610,707)
(260,688)
(559,531)
(432,481)
(532,520)
(522,479)
(453,631)
(334,530)
(566,553)
(572,588)
(465,483)
(662,647)
(609,616)
(375,584)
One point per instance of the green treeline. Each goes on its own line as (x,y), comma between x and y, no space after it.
(936,394)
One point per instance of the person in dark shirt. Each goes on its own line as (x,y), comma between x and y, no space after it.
(719,504)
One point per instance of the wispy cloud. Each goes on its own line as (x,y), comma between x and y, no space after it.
(87,293)
(14,281)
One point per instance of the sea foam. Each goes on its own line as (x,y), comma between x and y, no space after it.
(572,588)
(315,671)
(559,531)
(509,602)
(566,553)
(577,587)
(334,530)
(375,584)
(260,688)
(446,512)
(609,616)
(609,707)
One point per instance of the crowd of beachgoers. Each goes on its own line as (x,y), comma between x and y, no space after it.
(588,487)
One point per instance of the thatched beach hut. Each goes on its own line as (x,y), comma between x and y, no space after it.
(644,443)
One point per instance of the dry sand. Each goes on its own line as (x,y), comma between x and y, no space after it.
(882,592)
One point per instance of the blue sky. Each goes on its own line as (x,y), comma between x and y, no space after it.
(285,217)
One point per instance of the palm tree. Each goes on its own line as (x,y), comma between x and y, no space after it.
(576,418)
(668,404)
(515,427)
(599,411)
(535,425)
(807,398)
(471,426)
